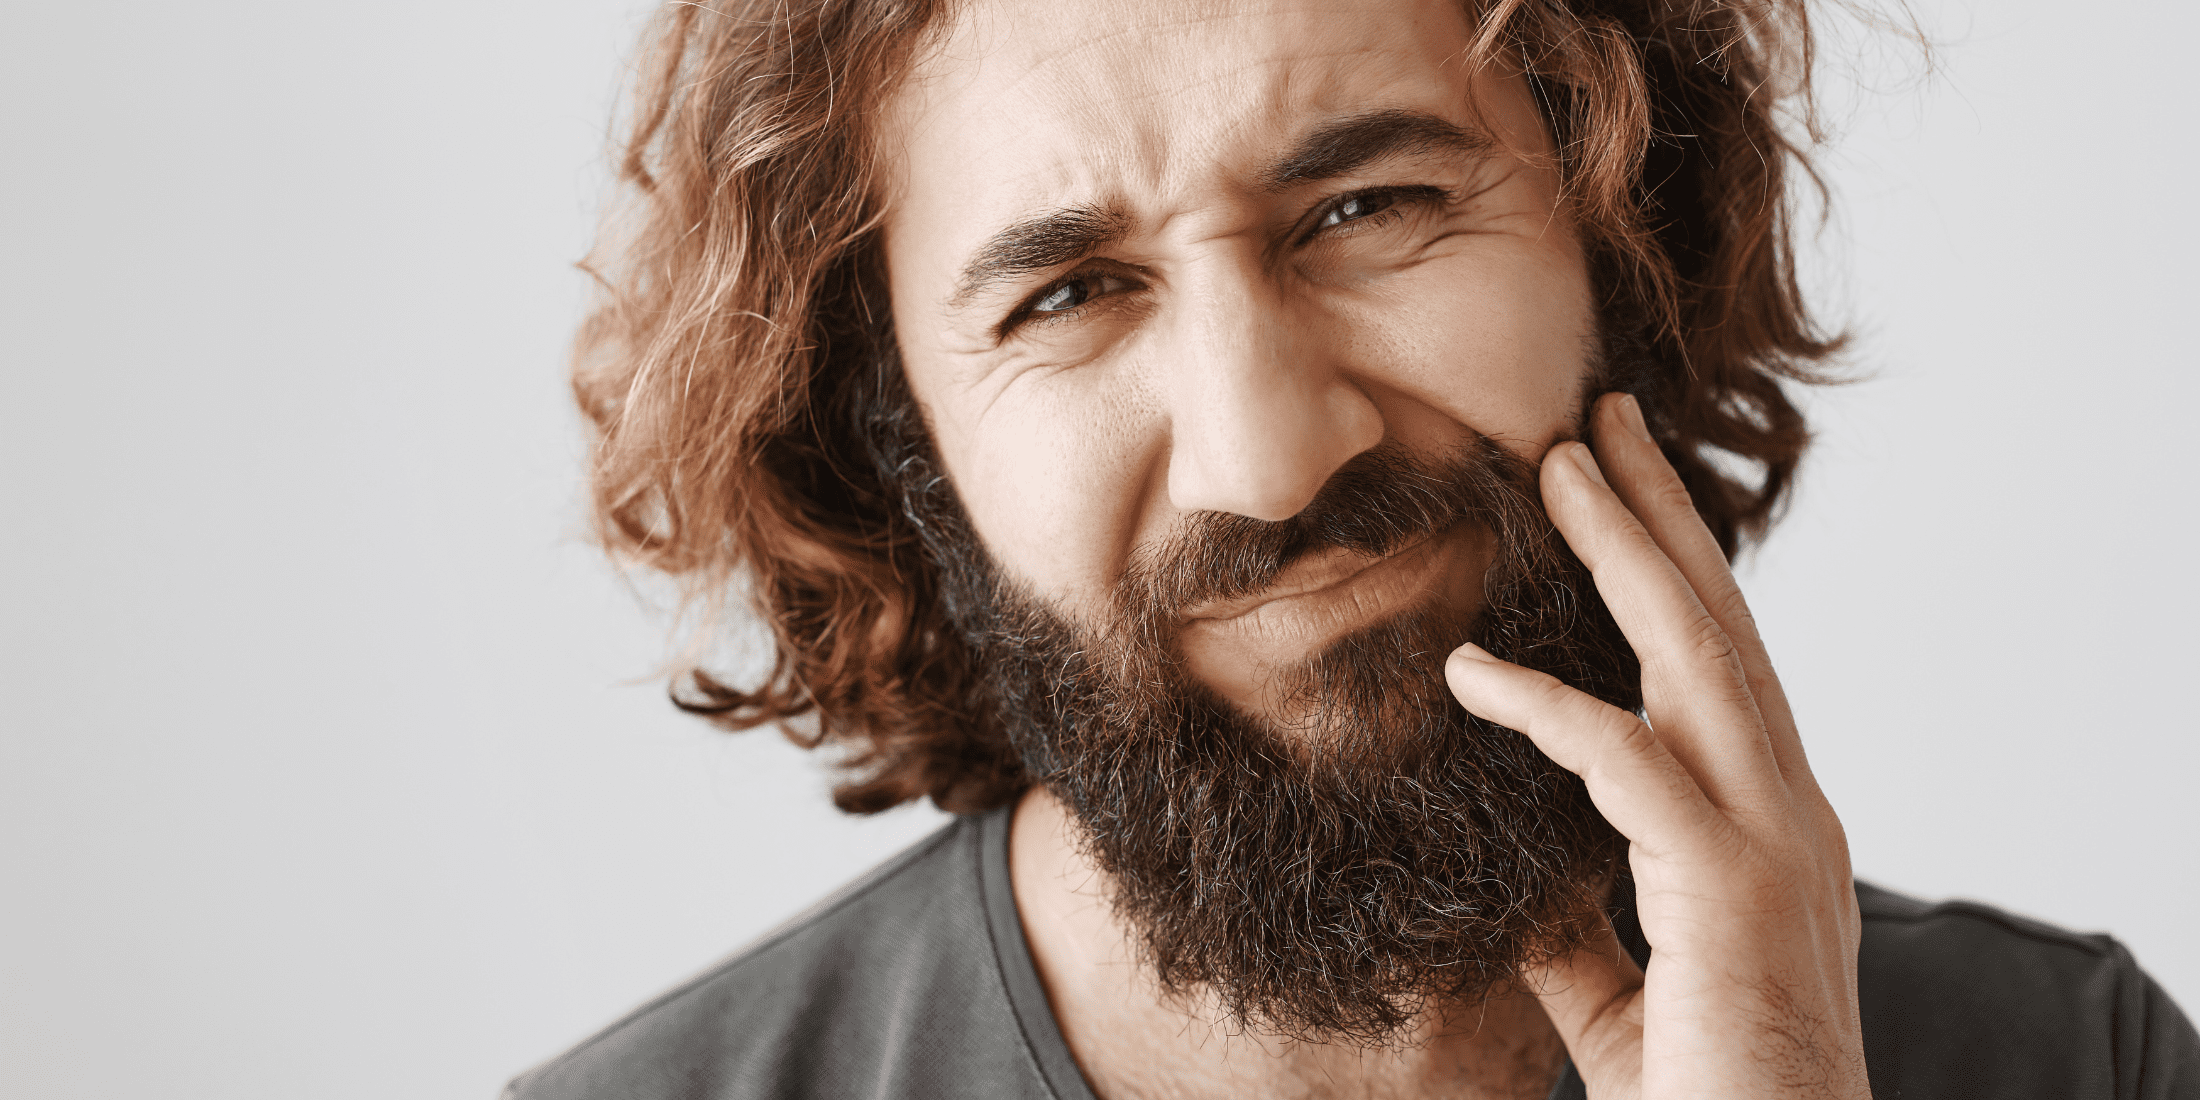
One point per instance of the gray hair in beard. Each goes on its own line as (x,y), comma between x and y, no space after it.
(1328,884)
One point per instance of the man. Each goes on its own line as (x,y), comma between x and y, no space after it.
(1257,461)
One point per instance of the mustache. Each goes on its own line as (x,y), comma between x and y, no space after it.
(1378,501)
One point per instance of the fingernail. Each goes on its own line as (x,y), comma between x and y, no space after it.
(1630,410)
(1473,652)
(1588,464)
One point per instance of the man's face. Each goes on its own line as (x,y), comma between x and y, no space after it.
(1152,259)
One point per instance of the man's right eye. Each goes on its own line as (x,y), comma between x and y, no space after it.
(1065,295)
(1076,290)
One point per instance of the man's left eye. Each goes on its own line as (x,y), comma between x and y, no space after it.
(1354,207)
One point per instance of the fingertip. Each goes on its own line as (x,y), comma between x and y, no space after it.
(1564,452)
(1630,414)
(1462,667)
(1587,461)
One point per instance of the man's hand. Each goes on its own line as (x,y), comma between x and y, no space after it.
(1741,870)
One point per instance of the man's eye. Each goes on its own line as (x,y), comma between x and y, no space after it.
(1071,293)
(1068,295)
(1355,207)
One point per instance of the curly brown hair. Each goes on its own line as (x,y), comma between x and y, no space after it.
(742,305)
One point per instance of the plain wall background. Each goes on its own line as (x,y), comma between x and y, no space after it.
(334,764)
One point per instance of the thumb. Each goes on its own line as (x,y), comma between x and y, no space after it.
(1594,998)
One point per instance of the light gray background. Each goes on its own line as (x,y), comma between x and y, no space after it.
(334,761)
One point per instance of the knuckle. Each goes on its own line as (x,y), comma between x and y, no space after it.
(1635,533)
(1623,735)
(1549,692)
(1709,642)
(1728,606)
(1669,495)
(1620,538)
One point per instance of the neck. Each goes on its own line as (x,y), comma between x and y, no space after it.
(1136,1042)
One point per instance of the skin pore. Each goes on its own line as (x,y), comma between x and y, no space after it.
(1150,259)
(1214,252)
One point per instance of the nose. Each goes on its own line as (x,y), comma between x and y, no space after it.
(1260,417)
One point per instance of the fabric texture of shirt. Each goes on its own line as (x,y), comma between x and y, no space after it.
(915,982)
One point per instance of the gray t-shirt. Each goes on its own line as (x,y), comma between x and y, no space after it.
(915,982)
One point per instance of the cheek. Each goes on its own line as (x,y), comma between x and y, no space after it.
(1497,338)
(1050,466)
(1055,473)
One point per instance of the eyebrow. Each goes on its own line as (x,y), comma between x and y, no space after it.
(1349,144)
(1336,149)
(1036,244)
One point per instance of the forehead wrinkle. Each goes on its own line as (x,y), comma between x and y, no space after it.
(1129,77)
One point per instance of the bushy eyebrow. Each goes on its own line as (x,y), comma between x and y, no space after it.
(1349,144)
(1337,148)
(1037,243)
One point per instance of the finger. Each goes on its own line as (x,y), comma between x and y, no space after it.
(1635,782)
(1694,688)
(1651,489)
(1593,997)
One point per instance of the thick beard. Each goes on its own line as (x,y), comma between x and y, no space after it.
(1335,881)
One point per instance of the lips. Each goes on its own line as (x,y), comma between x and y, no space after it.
(1334,592)
(1308,576)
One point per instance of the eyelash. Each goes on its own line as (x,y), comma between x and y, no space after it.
(1029,314)
(1389,213)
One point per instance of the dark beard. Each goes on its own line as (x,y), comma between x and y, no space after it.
(1334,881)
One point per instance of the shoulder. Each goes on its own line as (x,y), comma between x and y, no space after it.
(1962,999)
(889,987)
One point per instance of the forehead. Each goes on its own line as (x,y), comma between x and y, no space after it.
(1145,105)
